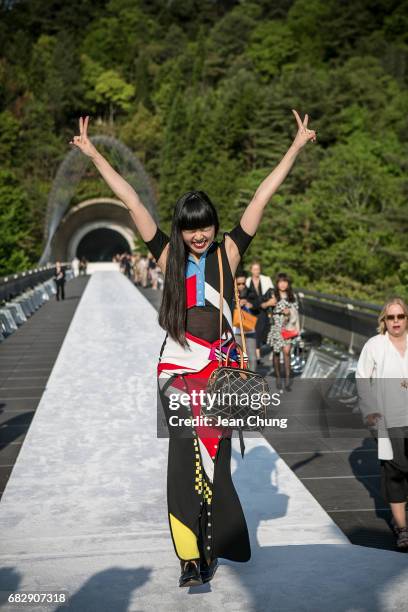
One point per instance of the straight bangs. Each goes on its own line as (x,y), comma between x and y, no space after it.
(282,276)
(197,212)
(285,277)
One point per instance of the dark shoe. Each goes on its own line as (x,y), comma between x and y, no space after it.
(207,571)
(190,574)
(402,538)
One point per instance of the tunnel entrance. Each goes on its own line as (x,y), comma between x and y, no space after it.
(102,244)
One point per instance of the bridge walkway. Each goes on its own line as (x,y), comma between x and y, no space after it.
(85,510)
(26,360)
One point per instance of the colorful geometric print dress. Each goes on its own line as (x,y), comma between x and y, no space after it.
(205,515)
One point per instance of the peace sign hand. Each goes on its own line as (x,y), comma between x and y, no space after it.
(82,141)
(304,134)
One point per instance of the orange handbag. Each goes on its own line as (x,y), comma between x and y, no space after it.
(248,320)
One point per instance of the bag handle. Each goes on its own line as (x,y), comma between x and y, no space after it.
(220,268)
(241,356)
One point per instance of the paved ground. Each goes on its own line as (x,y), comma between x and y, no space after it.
(26,360)
(85,510)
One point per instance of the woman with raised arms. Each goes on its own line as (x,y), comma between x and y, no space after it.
(205,515)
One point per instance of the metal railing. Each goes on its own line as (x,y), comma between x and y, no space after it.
(352,303)
(22,294)
(347,321)
(13,285)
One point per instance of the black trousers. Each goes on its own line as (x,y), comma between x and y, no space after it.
(60,290)
(394,472)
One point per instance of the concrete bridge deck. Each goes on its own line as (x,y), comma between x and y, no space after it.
(85,511)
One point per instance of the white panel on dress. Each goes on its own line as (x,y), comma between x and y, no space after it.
(213,296)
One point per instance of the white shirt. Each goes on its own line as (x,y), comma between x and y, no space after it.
(264,281)
(380,371)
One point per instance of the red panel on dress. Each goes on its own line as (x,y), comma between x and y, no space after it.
(191,291)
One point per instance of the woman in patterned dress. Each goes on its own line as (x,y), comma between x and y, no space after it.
(284,307)
(205,516)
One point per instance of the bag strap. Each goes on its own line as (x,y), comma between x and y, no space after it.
(220,268)
(241,325)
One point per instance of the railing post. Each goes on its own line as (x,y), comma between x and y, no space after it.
(301,295)
(351,344)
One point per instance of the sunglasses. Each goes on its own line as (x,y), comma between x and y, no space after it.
(398,317)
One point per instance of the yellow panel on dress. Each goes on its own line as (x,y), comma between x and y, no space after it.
(184,539)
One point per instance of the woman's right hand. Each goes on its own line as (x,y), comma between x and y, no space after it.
(268,303)
(82,141)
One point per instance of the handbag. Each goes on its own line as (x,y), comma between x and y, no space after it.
(248,319)
(287,334)
(290,330)
(233,382)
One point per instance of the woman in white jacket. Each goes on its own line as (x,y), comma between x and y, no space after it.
(382,382)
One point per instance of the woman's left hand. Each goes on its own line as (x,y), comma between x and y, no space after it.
(304,134)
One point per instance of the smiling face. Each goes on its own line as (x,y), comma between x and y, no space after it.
(396,326)
(198,240)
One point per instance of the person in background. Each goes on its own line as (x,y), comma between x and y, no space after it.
(122,262)
(248,301)
(59,278)
(127,265)
(160,280)
(285,318)
(143,270)
(75,266)
(261,286)
(153,270)
(382,383)
(83,264)
(135,264)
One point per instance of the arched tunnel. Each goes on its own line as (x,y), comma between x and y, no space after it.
(101,244)
(97,229)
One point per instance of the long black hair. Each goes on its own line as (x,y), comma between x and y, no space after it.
(289,290)
(193,210)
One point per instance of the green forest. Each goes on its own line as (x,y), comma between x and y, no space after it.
(202,91)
